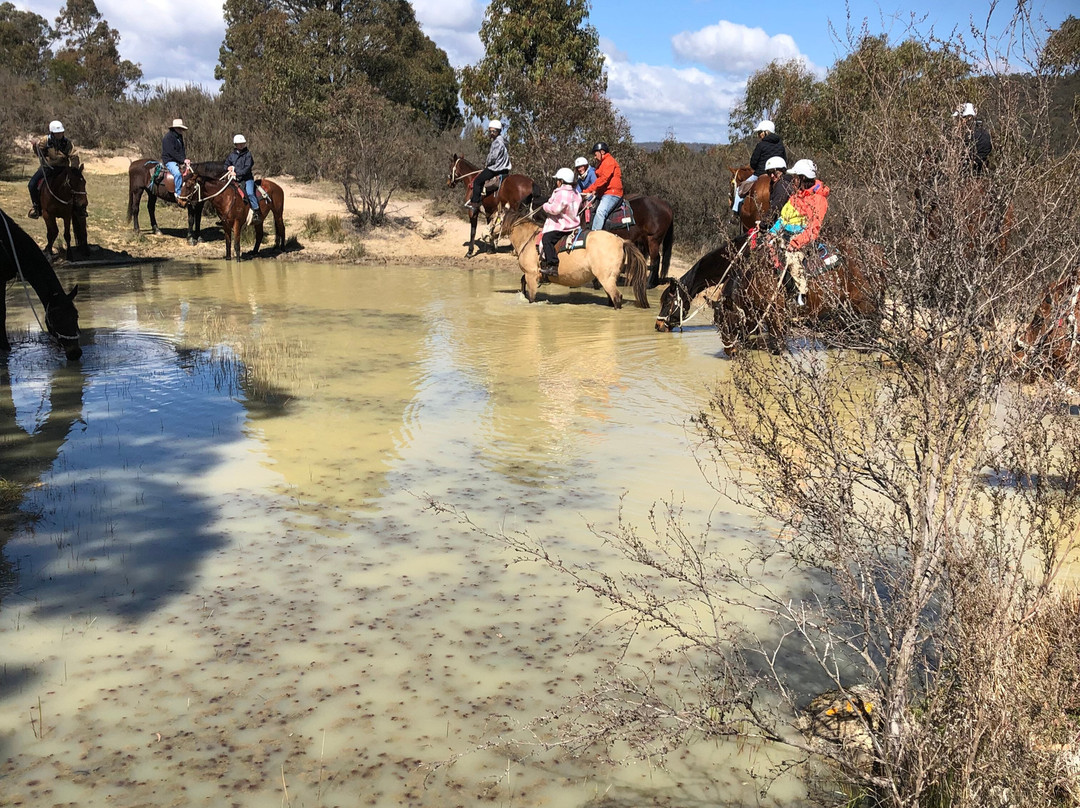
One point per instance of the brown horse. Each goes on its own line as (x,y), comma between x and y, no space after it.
(230,202)
(652,232)
(604,258)
(63,196)
(1050,344)
(710,271)
(20,257)
(140,174)
(756,203)
(755,297)
(515,192)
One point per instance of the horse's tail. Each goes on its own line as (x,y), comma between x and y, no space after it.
(665,249)
(537,193)
(636,270)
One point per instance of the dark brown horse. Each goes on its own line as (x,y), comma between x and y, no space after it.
(756,203)
(516,194)
(231,205)
(652,233)
(140,174)
(1050,344)
(755,302)
(63,196)
(710,271)
(20,257)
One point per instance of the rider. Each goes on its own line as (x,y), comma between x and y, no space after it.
(239,165)
(174,153)
(608,185)
(800,220)
(978,139)
(498,162)
(769,145)
(53,152)
(779,191)
(562,210)
(586,174)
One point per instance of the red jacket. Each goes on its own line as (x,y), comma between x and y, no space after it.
(608,178)
(812,203)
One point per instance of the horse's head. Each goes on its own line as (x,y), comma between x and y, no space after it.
(77,184)
(674,306)
(62,321)
(189,188)
(455,173)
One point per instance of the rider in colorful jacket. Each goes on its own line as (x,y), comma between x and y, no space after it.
(562,210)
(800,220)
(174,153)
(608,185)
(240,165)
(53,152)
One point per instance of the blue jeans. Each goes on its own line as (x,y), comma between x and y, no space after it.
(249,189)
(738,199)
(174,169)
(603,210)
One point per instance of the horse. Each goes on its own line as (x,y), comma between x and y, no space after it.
(652,232)
(230,202)
(756,203)
(140,174)
(515,191)
(710,271)
(63,196)
(754,300)
(603,258)
(20,257)
(1050,344)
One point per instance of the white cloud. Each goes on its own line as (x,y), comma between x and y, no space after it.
(735,49)
(689,102)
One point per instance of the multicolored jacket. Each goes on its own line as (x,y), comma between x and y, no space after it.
(562,209)
(803,214)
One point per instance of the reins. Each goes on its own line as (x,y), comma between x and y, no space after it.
(25,283)
(56,196)
(723,277)
(454,176)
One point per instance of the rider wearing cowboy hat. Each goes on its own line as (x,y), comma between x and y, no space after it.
(800,220)
(53,152)
(174,153)
(608,185)
(769,145)
(498,162)
(239,165)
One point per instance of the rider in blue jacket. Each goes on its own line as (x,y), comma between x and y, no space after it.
(240,164)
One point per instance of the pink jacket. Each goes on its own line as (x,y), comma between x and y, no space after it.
(562,209)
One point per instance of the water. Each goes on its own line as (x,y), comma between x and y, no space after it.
(229,589)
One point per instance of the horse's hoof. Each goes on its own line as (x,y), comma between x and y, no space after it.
(157,232)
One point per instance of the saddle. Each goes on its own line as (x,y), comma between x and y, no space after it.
(574,240)
(621,218)
(494,184)
(260,192)
(825,258)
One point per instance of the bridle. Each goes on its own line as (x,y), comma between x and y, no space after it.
(50,328)
(73,192)
(454,176)
(22,277)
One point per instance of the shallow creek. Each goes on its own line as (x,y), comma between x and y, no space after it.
(231,592)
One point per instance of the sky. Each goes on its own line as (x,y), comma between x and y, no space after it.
(675,67)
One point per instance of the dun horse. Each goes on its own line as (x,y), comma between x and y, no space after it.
(20,257)
(140,174)
(515,192)
(63,196)
(604,257)
(755,203)
(232,208)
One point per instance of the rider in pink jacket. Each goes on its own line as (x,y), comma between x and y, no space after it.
(562,210)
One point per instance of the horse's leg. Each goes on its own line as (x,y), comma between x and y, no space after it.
(4,344)
(472,233)
(51,230)
(134,200)
(654,264)
(191,231)
(279,227)
(151,210)
(258,237)
(198,223)
(610,285)
(530,282)
(67,235)
(81,240)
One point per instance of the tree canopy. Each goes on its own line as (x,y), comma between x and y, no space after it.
(89,63)
(1062,51)
(24,40)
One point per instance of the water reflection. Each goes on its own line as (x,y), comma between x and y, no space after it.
(233,582)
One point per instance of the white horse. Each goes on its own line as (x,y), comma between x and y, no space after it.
(604,258)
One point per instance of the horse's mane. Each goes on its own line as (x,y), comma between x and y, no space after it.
(210,170)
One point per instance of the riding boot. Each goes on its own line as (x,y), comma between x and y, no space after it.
(255,217)
(549,269)
(35,212)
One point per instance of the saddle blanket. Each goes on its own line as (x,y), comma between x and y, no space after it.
(825,258)
(573,240)
(621,218)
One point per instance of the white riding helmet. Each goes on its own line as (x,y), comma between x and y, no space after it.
(804,168)
(495,123)
(766,126)
(581,161)
(238,139)
(566,175)
(964,111)
(775,162)
(56,128)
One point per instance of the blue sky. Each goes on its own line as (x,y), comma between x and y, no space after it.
(674,66)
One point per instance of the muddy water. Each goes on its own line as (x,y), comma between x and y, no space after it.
(231,592)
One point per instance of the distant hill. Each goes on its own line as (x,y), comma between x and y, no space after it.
(654,145)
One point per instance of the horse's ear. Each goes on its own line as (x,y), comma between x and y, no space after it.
(74,291)
(733,171)
(75,162)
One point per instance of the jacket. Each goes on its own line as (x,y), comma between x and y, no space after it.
(243,162)
(608,178)
(562,209)
(768,146)
(981,147)
(172,147)
(803,215)
(779,194)
(584,182)
(498,159)
(55,152)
